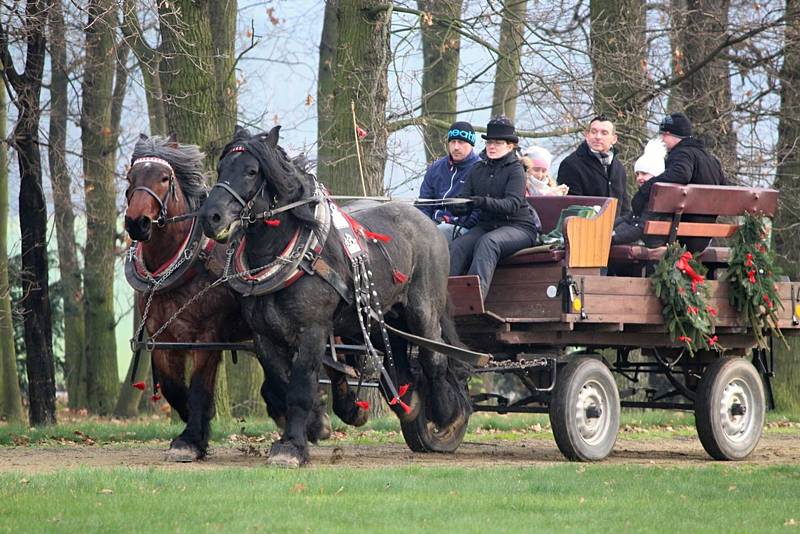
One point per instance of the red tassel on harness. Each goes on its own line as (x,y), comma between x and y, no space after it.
(155,398)
(272,222)
(398,277)
(364,405)
(139,385)
(402,390)
(373,235)
(406,408)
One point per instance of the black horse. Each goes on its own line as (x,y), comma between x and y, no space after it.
(294,319)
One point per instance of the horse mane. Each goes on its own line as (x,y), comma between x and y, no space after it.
(288,177)
(186,160)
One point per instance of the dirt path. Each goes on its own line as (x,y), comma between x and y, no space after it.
(678,451)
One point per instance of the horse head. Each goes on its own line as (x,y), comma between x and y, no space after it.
(254,174)
(165,179)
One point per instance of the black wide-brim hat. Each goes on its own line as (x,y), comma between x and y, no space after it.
(501,128)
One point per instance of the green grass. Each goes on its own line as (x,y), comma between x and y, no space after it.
(635,424)
(596,498)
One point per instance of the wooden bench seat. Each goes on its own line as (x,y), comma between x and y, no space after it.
(674,202)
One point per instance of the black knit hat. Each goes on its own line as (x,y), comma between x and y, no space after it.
(677,124)
(501,128)
(463,131)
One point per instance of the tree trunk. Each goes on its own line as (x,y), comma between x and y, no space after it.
(506,78)
(787,239)
(149,63)
(245,379)
(441,48)
(360,79)
(129,396)
(10,398)
(99,147)
(707,93)
(187,73)
(619,59)
(68,264)
(35,302)
(223,38)
(326,84)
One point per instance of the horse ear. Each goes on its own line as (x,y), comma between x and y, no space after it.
(271,138)
(172,140)
(238,128)
(143,137)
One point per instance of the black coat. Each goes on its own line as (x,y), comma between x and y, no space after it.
(687,163)
(502,183)
(586,176)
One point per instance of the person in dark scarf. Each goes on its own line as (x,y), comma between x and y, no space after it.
(593,169)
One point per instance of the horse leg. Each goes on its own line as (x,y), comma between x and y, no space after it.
(448,405)
(344,400)
(302,398)
(274,361)
(192,444)
(170,372)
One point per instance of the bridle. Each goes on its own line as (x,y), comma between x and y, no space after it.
(162,202)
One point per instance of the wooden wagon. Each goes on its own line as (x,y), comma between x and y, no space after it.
(564,328)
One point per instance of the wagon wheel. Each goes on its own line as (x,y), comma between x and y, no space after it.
(730,407)
(421,433)
(584,410)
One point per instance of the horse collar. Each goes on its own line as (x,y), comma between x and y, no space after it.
(179,269)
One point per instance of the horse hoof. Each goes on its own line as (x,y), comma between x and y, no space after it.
(183,453)
(286,456)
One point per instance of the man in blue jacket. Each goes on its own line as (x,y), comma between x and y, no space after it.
(445,177)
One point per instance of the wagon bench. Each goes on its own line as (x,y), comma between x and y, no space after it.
(555,320)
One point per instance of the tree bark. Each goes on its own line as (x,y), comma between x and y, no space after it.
(619,58)
(187,73)
(707,93)
(10,398)
(99,148)
(787,221)
(326,84)
(33,214)
(245,379)
(506,78)
(130,397)
(360,78)
(149,63)
(222,17)
(68,264)
(441,48)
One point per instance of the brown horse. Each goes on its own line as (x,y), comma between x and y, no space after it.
(169,264)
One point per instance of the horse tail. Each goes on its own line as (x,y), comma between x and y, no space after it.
(449,332)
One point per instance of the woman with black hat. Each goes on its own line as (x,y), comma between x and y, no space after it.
(506,222)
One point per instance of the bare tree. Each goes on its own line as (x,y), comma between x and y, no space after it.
(441,47)
(68,264)
(619,58)
(32,210)
(360,74)
(10,399)
(506,80)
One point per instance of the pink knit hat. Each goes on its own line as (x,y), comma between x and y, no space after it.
(539,156)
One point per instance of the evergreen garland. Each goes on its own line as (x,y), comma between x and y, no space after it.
(679,282)
(753,277)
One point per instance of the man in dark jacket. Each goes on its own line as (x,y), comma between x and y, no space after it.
(506,222)
(688,162)
(445,177)
(593,170)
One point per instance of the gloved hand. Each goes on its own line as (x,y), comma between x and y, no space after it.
(460,209)
(478,202)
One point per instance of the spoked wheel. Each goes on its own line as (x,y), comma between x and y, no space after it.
(730,409)
(422,435)
(584,410)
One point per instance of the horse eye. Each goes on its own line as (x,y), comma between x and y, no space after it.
(165,179)
(251,172)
